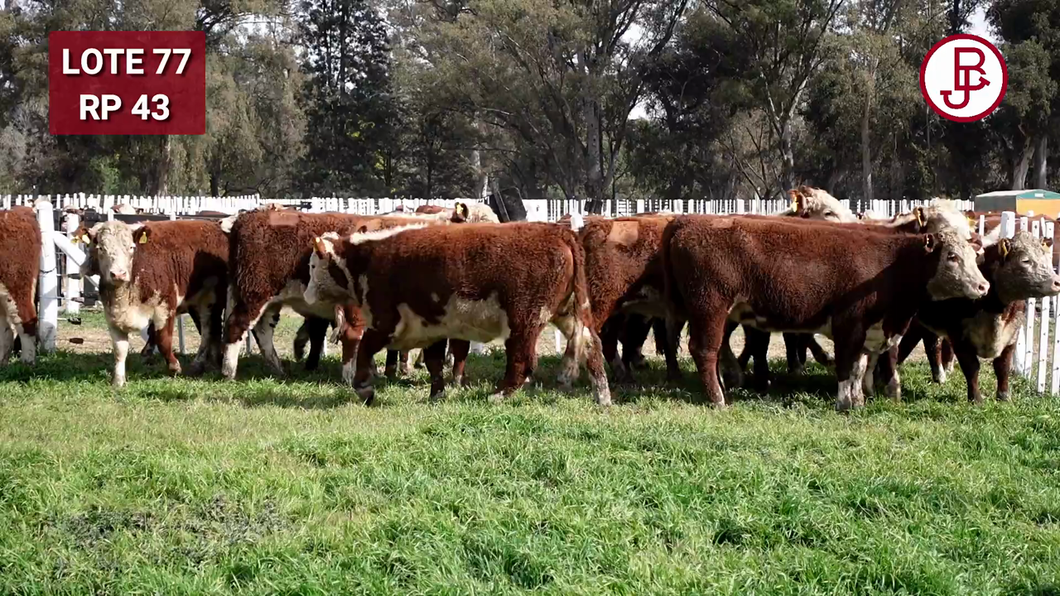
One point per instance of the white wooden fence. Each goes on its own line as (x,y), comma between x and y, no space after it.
(1032,359)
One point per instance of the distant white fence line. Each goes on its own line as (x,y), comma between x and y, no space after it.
(537,209)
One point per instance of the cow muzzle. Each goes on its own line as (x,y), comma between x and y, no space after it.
(119,275)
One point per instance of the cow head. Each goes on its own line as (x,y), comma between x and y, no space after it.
(115,242)
(813,203)
(329,281)
(1021,267)
(957,274)
(460,213)
(935,218)
(86,236)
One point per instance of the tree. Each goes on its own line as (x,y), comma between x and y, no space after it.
(349,103)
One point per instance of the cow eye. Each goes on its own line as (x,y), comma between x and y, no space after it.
(829,214)
(953,257)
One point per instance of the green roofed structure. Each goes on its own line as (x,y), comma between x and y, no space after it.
(1037,201)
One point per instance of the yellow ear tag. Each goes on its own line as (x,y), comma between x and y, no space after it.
(143,238)
(85,238)
(919,216)
(1003,247)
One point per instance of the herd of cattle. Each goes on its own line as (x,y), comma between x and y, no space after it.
(440,278)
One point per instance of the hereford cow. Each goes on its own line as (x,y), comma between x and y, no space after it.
(151,272)
(263,281)
(475,282)
(859,286)
(1017,269)
(20,244)
(461,212)
(941,216)
(123,209)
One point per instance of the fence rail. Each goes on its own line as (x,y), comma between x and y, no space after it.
(1035,361)
(537,209)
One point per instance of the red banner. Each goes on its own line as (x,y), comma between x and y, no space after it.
(127,82)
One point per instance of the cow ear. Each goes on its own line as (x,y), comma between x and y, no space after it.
(362,229)
(320,248)
(1047,243)
(1003,247)
(460,213)
(798,201)
(930,243)
(142,234)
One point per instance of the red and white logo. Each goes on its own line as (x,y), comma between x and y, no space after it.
(963,78)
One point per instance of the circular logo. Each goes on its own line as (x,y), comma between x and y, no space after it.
(963,78)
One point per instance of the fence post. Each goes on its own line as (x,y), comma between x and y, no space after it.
(73,281)
(1043,335)
(48,286)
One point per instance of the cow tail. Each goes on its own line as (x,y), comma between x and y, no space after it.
(675,307)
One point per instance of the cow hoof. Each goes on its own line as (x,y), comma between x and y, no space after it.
(174,369)
(436,397)
(497,398)
(638,361)
(117,382)
(1003,396)
(894,390)
(603,398)
(796,371)
(367,395)
(939,376)
(196,369)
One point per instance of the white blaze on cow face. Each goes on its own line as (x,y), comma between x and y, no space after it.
(957,274)
(114,247)
(1025,269)
(323,287)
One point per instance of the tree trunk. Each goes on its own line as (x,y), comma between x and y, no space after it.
(594,174)
(1022,164)
(787,155)
(866,148)
(1041,158)
(164,163)
(215,183)
(955,17)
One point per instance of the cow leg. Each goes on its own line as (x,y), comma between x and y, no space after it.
(658,329)
(792,348)
(886,370)
(21,313)
(120,341)
(391,368)
(419,360)
(317,331)
(969,362)
(1002,370)
(434,358)
(147,353)
(868,386)
(301,338)
(403,362)
(633,337)
(371,343)
(757,342)
(240,317)
(931,350)
(729,370)
(520,349)
(850,366)
(609,337)
(207,339)
(705,338)
(164,336)
(264,332)
(673,333)
(946,354)
(817,350)
(459,348)
(7,338)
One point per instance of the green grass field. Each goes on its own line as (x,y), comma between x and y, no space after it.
(260,486)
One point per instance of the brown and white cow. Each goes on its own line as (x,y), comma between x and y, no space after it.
(859,286)
(475,282)
(150,273)
(935,218)
(1017,269)
(459,213)
(270,269)
(20,245)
